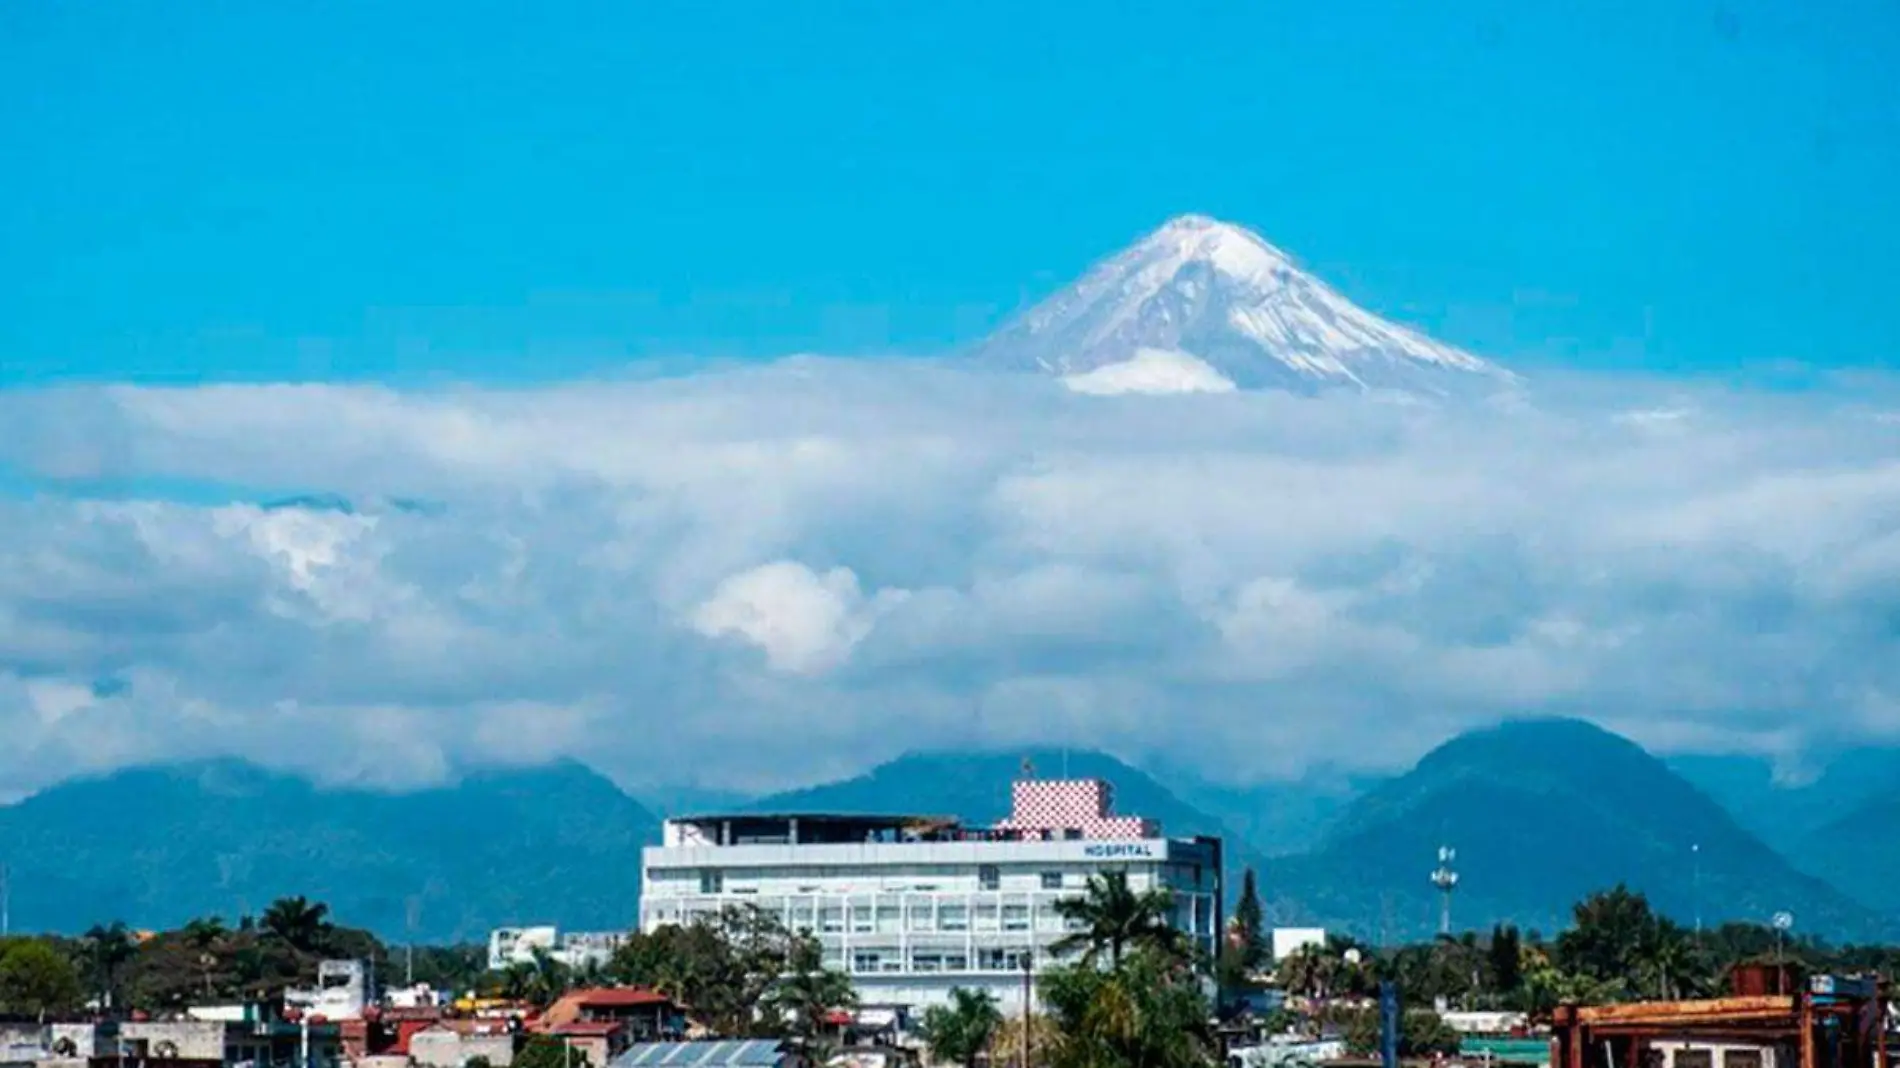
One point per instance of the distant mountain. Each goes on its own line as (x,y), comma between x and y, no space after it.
(1202,306)
(1788,815)
(1276,816)
(156,846)
(1541,813)
(1859,851)
(976,788)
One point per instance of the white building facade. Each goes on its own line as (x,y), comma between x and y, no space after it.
(576,949)
(911,907)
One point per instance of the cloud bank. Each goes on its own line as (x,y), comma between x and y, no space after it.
(758,576)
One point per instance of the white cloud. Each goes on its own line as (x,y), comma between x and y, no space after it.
(805,622)
(1152,371)
(792,569)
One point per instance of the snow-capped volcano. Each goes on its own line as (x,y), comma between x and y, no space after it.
(1219,294)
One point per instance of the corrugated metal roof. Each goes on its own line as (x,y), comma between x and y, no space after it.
(750,1053)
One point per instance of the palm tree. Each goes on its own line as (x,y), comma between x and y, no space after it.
(513,983)
(548,979)
(303,925)
(1665,963)
(1112,916)
(108,948)
(806,993)
(203,934)
(1309,971)
(960,1031)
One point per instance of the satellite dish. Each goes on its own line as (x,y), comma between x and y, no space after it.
(1784,921)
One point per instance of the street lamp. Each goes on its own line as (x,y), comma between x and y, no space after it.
(1783,923)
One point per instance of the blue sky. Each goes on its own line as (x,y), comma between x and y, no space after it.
(518,192)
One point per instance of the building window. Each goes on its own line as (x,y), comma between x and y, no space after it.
(1052,880)
(1015,917)
(711,881)
(988,878)
(831,919)
(953,918)
(1001,960)
(863,961)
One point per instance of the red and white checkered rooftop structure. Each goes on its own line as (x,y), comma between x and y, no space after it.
(1071,808)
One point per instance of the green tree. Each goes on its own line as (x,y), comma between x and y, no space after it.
(1422,1033)
(959,1032)
(1309,972)
(1617,941)
(547,979)
(1251,919)
(301,924)
(1112,917)
(1148,1013)
(544,1051)
(37,979)
(107,947)
(719,968)
(1503,958)
(805,995)
(1245,949)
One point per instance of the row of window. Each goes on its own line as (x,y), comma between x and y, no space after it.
(991,959)
(988,877)
(947,917)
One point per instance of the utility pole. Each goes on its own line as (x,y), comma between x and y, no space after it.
(1445,878)
(1695,884)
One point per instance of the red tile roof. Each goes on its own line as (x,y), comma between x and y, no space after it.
(586,1027)
(618,997)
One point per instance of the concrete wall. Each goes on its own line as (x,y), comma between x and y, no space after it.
(442,1048)
(196,1040)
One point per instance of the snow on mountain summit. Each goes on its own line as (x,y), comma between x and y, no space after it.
(1220,294)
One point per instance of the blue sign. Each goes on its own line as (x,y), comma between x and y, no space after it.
(1108,850)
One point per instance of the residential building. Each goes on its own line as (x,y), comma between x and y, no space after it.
(1286,941)
(452,1043)
(645,1014)
(342,991)
(911,906)
(576,949)
(257,1039)
(1834,1022)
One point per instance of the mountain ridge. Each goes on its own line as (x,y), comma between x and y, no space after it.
(159,844)
(1541,812)
(1204,294)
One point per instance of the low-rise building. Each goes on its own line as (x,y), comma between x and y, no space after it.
(342,991)
(642,1015)
(576,949)
(454,1043)
(1286,941)
(1834,1022)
